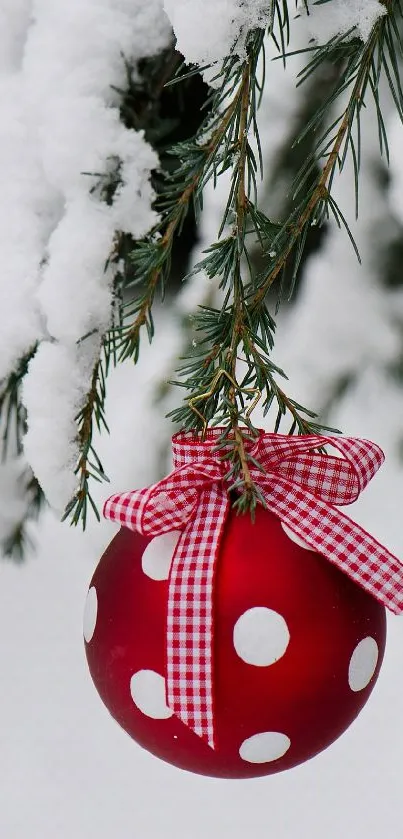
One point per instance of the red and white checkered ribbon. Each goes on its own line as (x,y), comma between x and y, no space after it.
(301,486)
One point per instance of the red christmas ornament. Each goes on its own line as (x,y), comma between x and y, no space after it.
(295,644)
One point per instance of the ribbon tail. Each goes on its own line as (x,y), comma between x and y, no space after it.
(190,665)
(329,532)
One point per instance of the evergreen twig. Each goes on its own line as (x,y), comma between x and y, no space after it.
(15,544)
(89,466)
(241,328)
(12,412)
(14,423)
(244,315)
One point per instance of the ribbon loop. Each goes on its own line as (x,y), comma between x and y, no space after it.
(336,480)
(167,505)
(302,486)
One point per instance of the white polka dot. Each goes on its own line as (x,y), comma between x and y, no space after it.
(262,748)
(261,636)
(157,557)
(363,664)
(295,538)
(90,614)
(147,689)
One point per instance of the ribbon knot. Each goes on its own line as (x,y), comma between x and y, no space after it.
(302,486)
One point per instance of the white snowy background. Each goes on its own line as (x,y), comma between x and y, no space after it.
(66,769)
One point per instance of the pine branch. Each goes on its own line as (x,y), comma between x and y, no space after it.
(152,259)
(14,421)
(314,208)
(89,466)
(210,373)
(12,411)
(244,314)
(16,543)
(140,110)
(249,494)
(130,334)
(242,328)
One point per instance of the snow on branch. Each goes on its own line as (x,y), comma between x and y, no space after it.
(332,18)
(61,138)
(74,175)
(207,30)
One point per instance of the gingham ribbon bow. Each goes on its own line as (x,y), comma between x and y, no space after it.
(301,486)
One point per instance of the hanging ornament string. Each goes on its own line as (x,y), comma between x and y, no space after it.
(300,485)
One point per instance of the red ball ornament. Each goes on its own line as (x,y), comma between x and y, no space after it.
(297,648)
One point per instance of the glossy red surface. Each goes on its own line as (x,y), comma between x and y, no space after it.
(304,695)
